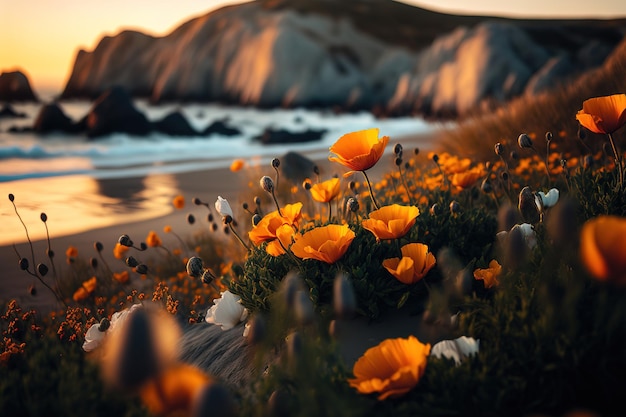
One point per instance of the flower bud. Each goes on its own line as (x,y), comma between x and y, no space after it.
(486,187)
(42,269)
(514,155)
(528,205)
(214,399)
(142,269)
(195,267)
(275,163)
(196,201)
(397,149)
(435,158)
(43,217)
(267,184)
(24,264)
(191,218)
(223,207)
(132,262)
(50,253)
(257,329)
(98,246)
(207,277)
(549,137)
(524,141)
(455,207)
(398,161)
(316,170)
(256,219)
(32,290)
(93,262)
(11,198)
(125,240)
(434,209)
(304,307)
(499,149)
(104,325)
(416,151)
(344,299)
(353,205)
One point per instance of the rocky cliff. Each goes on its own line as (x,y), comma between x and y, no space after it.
(373,54)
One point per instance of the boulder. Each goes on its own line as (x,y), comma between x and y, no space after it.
(14,86)
(51,118)
(279,136)
(114,111)
(175,124)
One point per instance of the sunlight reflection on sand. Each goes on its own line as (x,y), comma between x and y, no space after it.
(78,203)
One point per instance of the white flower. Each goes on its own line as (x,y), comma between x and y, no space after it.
(457,349)
(528,232)
(550,198)
(117,319)
(222,207)
(227,311)
(93,338)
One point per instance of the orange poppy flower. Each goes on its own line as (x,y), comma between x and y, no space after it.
(391,222)
(121,277)
(603,114)
(119,251)
(153,240)
(179,202)
(603,248)
(71,252)
(360,150)
(237,165)
(415,263)
(466,179)
(325,191)
(174,390)
(392,368)
(326,244)
(85,290)
(271,228)
(489,275)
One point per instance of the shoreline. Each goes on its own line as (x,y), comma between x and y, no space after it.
(204,184)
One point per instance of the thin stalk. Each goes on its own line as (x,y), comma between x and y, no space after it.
(369,186)
(618,161)
(238,237)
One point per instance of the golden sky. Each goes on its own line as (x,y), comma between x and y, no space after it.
(41,37)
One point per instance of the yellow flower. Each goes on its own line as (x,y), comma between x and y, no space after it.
(360,150)
(391,222)
(153,240)
(325,191)
(489,275)
(415,263)
(326,244)
(237,165)
(392,368)
(603,248)
(119,251)
(603,114)
(85,290)
(179,202)
(466,179)
(121,277)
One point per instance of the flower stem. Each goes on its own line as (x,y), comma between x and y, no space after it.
(238,237)
(369,186)
(618,162)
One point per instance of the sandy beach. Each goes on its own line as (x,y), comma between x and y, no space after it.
(206,185)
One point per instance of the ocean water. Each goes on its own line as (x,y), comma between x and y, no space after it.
(68,176)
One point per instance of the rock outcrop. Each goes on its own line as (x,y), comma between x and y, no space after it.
(14,86)
(114,111)
(321,54)
(51,118)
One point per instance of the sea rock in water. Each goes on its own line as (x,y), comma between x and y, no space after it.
(7,111)
(114,111)
(52,118)
(296,167)
(220,127)
(175,124)
(278,136)
(14,86)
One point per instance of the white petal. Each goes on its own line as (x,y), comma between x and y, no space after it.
(93,338)
(117,319)
(529,235)
(226,311)
(467,346)
(222,207)
(447,349)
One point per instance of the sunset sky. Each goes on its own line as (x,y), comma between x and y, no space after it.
(41,37)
